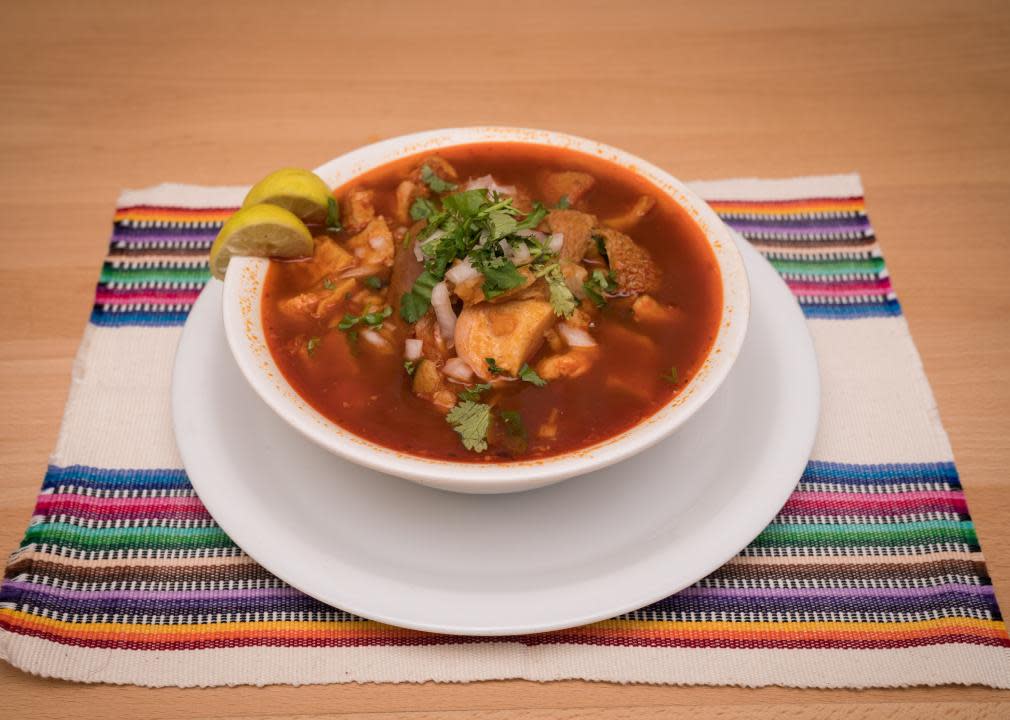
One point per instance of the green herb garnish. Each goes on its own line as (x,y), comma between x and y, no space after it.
(333,215)
(513,423)
(328,284)
(312,344)
(434,182)
(601,246)
(597,284)
(530,375)
(410,366)
(563,203)
(493,367)
(373,282)
(422,209)
(562,300)
(473,392)
(372,319)
(471,420)
(500,276)
(671,376)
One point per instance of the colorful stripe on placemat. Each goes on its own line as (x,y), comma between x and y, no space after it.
(861,557)
(865,556)
(824,248)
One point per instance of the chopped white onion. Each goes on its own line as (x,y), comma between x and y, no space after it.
(418,246)
(412,348)
(488,183)
(556,242)
(443,312)
(360,270)
(461,271)
(521,254)
(482,238)
(531,233)
(575,337)
(506,248)
(374,338)
(458,369)
(418,253)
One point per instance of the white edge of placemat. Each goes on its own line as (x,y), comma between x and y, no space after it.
(955,664)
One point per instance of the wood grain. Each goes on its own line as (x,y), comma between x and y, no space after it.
(914,95)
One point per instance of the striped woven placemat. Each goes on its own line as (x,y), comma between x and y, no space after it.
(871,575)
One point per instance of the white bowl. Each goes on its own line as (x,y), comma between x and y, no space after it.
(244,328)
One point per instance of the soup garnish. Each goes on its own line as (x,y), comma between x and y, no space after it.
(495,302)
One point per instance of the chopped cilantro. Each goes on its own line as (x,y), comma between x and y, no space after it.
(372,319)
(471,420)
(410,366)
(671,376)
(598,284)
(530,375)
(352,342)
(413,306)
(563,203)
(329,284)
(433,181)
(333,214)
(466,204)
(422,209)
(535,217)
(562,300)
(493,367)
(473,392)
(372,281)
(501,224)
(513,423)
(500,275)
(312,344)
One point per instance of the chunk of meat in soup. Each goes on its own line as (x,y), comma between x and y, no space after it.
(568,184)
(577,228)
(633,266)
(358,209)
(510,333)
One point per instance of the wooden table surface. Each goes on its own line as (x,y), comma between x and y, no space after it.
(914,95)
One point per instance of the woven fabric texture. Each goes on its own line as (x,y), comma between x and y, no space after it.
(871,575)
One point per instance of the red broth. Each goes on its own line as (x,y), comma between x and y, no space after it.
(371,395)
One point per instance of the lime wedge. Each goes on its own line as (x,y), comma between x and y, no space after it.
(261,231)
(300,191)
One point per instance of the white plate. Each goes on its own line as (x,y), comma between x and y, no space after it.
(586,549)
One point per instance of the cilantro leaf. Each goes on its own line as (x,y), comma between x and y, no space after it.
(422,209)
(535,217)
(413,306)
(671,376)
(563,203)
(471,420)
(500,275)
(348,321)
(466,204)
(333,214)
(597,284)
(312,344)
(473,392)
(374,319)
(372,281)
(562,300)
(513,423)
(501,224)
(328,284)
(410,366)
(433,181)
(530,375)
(493,367)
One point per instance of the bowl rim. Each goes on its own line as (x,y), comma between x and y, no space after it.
(244,331)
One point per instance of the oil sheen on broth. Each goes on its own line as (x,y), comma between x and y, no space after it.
(605,308)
